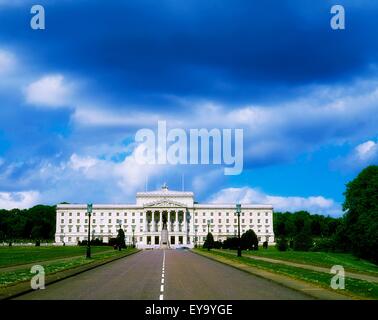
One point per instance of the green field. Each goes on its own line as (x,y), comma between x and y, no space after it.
(15,261)
(11,256)
(323,259)
(353,287)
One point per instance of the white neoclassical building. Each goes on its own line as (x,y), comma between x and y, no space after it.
(162,218)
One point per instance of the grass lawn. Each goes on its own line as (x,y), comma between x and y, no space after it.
(353,287)
(322,259)
(12,277)
(10,256)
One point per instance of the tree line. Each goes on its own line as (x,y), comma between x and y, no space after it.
(37,223)
(356,231)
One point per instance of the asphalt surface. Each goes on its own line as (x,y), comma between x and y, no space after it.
(168,275)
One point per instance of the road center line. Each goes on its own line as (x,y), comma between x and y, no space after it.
(161,297)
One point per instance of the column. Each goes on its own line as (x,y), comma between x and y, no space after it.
(184,227)
(145,221)
(176,222)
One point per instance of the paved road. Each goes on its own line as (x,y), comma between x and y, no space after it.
(168,275)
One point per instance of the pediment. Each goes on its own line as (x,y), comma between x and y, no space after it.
(164,204)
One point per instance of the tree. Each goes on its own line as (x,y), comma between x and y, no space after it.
(249,240)
(361,218)
(303,241)
(209,242)
(121,239)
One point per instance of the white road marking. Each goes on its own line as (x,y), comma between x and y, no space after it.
(161,297)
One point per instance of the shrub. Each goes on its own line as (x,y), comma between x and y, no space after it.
(209,242)
(303,241)
(230,243)
(249,240)
(282,244)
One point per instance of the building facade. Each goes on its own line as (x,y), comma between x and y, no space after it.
(162,218)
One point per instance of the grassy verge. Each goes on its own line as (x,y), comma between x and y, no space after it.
(13,277)
(353,287)
(321,259)
(12,256)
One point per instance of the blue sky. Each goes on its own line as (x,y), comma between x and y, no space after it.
(73,96)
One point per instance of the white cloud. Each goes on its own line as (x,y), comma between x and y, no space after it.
(128,175)
(21,200)
(273,133)
(367,150)
(313,204)
(361,156)
(49,91)
(7,61)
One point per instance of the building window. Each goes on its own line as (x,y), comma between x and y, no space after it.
(70,214)
(62,214)
(70,221)
(62,221)
(78,221)
(258,220)
(94,220)
(133,214)
(266,221)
